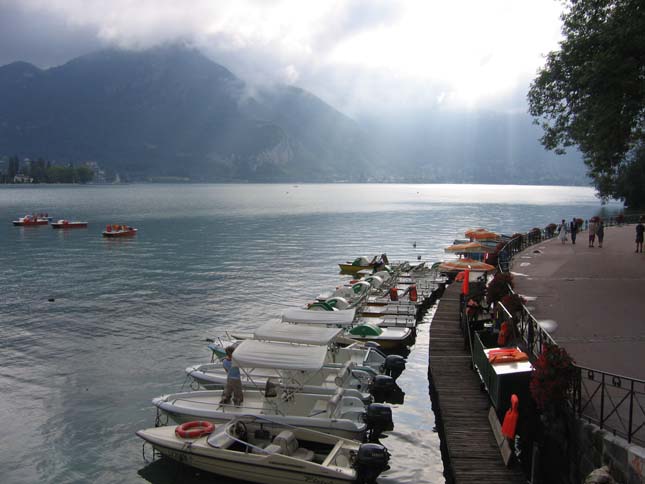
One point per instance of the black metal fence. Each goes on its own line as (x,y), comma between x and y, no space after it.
(613,402)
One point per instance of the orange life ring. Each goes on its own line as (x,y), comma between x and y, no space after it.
(194,429)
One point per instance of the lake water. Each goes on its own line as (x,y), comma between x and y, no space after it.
(77,374)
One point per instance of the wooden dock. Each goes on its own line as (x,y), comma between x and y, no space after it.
(468,445)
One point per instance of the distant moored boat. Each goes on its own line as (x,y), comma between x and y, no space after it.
(119,230)
(31,220)
(66,224)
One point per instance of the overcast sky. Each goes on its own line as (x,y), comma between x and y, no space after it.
(362,56)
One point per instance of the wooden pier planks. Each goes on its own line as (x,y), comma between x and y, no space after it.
(469,447)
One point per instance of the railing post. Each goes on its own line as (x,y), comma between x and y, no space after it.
(631,412)
(530,335)
(602,401)
(579,391)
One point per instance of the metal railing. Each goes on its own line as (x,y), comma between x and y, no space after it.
(613,402)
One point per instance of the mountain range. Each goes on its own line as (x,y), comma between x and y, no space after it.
(171,112)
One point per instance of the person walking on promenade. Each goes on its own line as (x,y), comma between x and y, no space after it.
(600,232)
(573,228)
(233,380)
(563,232)
(592,232)
(640,228)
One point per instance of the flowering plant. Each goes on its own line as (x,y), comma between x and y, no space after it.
(513,302)
(498,287)
(552,377)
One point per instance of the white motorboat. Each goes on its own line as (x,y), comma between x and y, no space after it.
(389,338)
(387,310)
(263,361)
(264,451)
(389,321)
(336,414)
(340,348)
(353,293)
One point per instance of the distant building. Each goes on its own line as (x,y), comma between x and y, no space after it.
(99,174)
(20,178)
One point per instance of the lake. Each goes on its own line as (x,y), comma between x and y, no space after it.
(128,316)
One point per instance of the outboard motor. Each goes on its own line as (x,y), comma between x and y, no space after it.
(370,461)
(381,387)
(378,418)
(394,366)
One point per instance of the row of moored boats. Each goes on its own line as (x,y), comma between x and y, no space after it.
(315,383)
(35,220)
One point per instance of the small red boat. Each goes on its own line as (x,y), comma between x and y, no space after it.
(29,220)
(66,224)
(116,230)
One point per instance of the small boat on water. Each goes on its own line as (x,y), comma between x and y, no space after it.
(388,338)
(117,230)
(262,361)
(341,350)
(261,450)
(362,263)
(31,220)
(66,224)
(337,414)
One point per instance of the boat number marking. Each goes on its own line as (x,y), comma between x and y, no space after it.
(316,480)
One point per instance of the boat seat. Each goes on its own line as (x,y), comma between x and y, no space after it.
(342,461)
(333,402)
(344,373)
(220,439)
(288,445)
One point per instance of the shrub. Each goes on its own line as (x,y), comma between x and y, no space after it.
(513,302)
(498,287)
(492,258)
(553,375)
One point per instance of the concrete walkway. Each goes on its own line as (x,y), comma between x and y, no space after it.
(595,295)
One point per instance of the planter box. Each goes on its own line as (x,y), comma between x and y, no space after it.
(500,380)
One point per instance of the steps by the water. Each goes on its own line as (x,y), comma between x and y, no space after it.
(469,448)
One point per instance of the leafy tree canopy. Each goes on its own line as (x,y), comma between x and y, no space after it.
(591,93)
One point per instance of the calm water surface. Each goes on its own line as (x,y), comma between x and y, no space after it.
(77,374)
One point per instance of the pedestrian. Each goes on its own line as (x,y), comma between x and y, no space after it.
(592,232)
(563,232)
(573,228)
(640,228)
(600,232)
(233,380)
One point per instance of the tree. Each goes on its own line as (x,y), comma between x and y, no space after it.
(84,174)
(591,92)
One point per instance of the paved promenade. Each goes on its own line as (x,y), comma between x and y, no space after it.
(595,295)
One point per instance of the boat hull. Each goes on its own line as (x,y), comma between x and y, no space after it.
(251,472)
(212,376)
(21,223)
(69,225)
(120,233)
(226,456)
(352,269)
(204,405)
